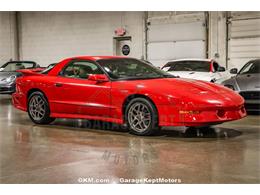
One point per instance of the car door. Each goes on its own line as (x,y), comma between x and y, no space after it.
(75,94)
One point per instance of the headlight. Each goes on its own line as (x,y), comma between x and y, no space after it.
(230,87)
(9,79)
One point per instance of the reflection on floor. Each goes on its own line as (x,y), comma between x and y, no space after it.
(80,151)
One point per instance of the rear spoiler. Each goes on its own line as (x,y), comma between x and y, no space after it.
(29,72)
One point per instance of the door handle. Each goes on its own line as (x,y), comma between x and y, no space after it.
(58,84)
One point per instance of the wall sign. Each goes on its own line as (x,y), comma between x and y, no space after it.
(125,50)
(120,31)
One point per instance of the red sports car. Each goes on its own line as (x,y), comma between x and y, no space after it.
(124,91)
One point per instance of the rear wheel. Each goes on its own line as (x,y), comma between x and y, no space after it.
(38,108)
(141,117)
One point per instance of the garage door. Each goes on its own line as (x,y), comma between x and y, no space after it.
(175,36)
(243,38)
(48,37)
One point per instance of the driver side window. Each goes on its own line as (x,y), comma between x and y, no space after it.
(81,69)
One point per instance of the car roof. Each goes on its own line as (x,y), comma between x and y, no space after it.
(254,60)
(192,59)
(95,58)
(61,64)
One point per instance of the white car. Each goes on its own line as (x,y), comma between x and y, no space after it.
(199,69)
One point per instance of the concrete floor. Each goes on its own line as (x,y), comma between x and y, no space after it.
(68,151)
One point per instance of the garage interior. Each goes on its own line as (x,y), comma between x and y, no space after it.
(68,150)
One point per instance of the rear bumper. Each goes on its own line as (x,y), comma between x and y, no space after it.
(172,117)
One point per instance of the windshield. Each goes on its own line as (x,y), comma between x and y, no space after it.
(197,66)
(127,68)
(252,67)
(13,66)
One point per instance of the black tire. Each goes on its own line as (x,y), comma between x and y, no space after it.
(45,117)
(151,127)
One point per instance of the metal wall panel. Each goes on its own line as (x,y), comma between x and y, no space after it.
(245,28)
(174,35)
(162,52)
(176,32)
(244,38)
(48,37)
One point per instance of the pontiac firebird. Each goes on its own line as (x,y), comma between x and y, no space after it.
(124,91)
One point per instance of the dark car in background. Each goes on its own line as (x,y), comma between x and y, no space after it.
(8,74)
(247,84)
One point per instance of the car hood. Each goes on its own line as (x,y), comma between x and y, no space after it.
(187,89)
(194,87)
(8,74)
(248,82)
(4,75)
(205,76)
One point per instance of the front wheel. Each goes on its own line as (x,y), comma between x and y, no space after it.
(38,108)
(141,117)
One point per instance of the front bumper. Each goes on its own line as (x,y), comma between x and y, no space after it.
(252,100)
(7,88)
(215,115)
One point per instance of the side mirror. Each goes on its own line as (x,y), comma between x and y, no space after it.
(233,71)
(98,78)
(221,69)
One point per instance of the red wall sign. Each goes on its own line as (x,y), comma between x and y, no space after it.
(120,31)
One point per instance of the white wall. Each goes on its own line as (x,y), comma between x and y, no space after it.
(48,37)
(7,37)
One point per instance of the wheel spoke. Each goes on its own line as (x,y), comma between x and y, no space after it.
(139,117)
(37,107)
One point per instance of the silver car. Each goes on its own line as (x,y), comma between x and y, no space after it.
(8,74)
(247,84)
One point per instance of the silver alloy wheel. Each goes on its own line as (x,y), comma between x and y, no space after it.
(139,117)
(37,107)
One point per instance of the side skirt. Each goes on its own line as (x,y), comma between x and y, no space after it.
(79,116)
